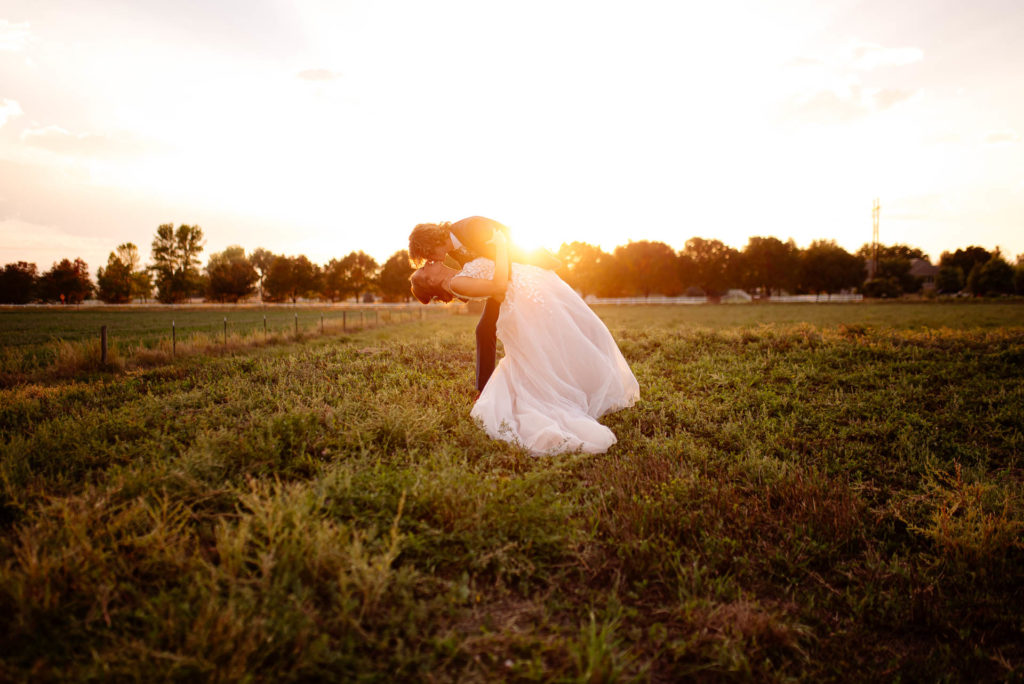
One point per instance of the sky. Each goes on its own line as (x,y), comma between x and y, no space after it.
(323,127)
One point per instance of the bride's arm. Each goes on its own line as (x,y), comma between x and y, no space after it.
(478,287)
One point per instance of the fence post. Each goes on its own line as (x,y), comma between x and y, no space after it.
(321,322)
(361,325)
(264,327)
(103,345)
(174,340)
(344,321)
(296,324)
(225,331)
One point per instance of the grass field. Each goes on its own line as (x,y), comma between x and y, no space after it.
(35,339)
(819,492)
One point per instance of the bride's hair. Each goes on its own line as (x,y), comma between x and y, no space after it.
(420,289)
(425,239)
(427,285)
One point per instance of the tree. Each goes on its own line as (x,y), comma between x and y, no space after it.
(394,277)
(142,285)
(114,281)
(67,281)
(894,267)
(278,286)
(291,278)
(714,264)
(965,259)
(827,267)
(231,275)
(306,277)
(581,266)
(769,264)
(994,277)
(949,279)
(360,272)
(18,283)
(261,259)
(334,283)
(611,277)
(882,287)
(123,279)
(175,262)
(649,267)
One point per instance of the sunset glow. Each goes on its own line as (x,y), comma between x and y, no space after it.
(322,128)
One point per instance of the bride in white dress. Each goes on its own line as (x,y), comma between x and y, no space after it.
(562,369)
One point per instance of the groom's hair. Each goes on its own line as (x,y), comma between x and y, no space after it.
(425,239)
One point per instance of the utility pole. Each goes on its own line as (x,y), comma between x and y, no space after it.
(876,209)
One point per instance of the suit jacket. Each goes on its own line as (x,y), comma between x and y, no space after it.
(475,234)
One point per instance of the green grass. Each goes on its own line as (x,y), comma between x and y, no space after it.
(969,314)
(41,342)
(811,493)
(41,325)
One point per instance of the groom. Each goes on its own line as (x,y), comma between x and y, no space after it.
(461,242)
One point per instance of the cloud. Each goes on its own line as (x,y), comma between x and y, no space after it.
(61,141)
(887,97)
(8,110)
(804,62)
(867,56)
(844,105)
(318,75)
(825,106)
(831,88)
(14,37)
(1005,136)
(44,244)
(943,138)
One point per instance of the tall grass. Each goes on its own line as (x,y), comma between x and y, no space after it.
(67,358)
(787,501)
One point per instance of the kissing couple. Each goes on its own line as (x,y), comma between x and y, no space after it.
(562,370)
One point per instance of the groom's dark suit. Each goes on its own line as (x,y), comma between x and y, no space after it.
(474,234)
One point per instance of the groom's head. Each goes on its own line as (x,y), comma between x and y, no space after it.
(429,242)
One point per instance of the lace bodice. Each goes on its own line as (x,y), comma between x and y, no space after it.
(524,280)
(478,268)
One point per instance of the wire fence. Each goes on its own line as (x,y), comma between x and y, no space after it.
(279,323)
(38,338)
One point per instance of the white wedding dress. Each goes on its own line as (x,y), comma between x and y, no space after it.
(561,371)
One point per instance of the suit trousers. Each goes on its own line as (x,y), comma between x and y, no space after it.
(487,343)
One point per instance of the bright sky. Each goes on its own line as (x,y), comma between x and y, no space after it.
(320,127)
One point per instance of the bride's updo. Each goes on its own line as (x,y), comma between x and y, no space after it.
(426,239)
(428,282)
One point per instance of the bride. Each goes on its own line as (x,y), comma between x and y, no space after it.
(561,371)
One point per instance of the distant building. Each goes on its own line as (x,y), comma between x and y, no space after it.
(920,268)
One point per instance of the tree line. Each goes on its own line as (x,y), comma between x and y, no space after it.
(765,266)
(768,266)
(174,275)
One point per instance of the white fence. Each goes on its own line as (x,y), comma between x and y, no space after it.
(781,299)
